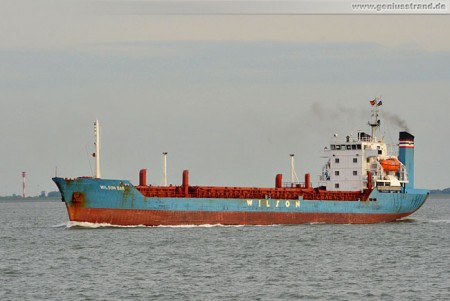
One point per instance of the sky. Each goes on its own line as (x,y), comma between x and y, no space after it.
(228,96)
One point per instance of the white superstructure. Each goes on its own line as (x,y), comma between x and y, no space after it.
(351,161)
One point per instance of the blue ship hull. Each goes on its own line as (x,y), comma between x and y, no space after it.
(118,202)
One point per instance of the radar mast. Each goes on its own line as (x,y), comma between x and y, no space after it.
(375,123)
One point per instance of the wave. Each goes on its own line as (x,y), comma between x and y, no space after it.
(406,220)
(87,225)
(98,225)
(198,226)
(63,225)
(440,221)
(444,221)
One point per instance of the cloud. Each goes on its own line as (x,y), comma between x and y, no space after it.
(210,63)
(228,96)
(51,24)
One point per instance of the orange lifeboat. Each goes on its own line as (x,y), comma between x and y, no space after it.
(391,164)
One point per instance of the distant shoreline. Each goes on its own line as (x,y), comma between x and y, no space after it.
(35,198)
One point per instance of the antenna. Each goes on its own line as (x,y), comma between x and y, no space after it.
(97,149)
(165,168)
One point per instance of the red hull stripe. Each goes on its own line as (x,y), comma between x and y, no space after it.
(406,144)
(125,217)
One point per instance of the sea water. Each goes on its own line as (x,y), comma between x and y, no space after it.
(44,257)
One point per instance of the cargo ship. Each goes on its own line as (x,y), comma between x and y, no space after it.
(361,182)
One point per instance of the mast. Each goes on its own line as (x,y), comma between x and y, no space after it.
(376,121)
(165,168)
(97,149)
(292,169)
